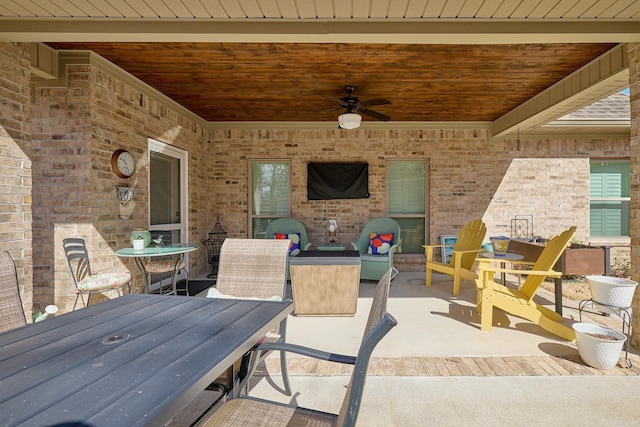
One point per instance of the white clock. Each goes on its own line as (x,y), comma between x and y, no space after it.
(123,163)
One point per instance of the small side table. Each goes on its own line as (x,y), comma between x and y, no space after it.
(140,256)
(503,259)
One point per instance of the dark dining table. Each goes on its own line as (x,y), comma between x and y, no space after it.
(133,360)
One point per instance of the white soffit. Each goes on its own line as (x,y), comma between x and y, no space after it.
(331,21)
(600,78)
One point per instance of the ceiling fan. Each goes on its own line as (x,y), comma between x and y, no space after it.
(350,119)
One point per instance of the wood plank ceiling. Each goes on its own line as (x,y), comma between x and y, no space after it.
(284,60)
(294,82)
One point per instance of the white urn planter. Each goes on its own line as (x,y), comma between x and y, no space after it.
(612,291)
(598,346)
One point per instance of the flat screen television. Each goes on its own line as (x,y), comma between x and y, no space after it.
(337,180)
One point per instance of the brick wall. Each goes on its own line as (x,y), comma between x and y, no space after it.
(76,130)
(15,164)
(470,176)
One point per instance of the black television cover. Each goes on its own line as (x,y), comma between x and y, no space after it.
(329,181)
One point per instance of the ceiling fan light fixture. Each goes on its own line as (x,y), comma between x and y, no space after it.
(349,120)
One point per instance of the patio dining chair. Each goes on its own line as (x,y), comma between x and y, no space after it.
(87,283)
(253,268)
(246,411)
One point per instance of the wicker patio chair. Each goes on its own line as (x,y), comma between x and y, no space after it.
(292,229)
(85,282)
(376,260)
(280,228)
(245,411)
(253,268)
(11,310)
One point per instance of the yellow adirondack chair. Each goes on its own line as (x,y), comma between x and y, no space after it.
(520,302)
(465,251)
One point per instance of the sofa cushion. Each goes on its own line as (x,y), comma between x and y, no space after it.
(294,248)
(380,243)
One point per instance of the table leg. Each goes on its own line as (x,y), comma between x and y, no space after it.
(145,277)
(174,276)
(558,295)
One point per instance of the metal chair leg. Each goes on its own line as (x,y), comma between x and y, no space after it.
(285,373)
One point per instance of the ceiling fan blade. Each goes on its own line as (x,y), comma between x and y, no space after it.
(340,102)
(374,114)
(379,101)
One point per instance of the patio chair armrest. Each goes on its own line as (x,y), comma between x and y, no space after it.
(550,273)
(428,250)
(485,261)
(437,246)
(470,251)
(306,351)
(292,348)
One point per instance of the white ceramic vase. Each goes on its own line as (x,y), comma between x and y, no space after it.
(599,353)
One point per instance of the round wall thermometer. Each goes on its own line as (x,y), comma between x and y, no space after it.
(123,163)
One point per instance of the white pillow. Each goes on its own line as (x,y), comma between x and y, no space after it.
(215,293)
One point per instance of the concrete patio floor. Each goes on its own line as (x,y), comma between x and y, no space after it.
(437,368)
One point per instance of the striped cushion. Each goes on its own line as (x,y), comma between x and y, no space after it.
(102,281)
(162,266)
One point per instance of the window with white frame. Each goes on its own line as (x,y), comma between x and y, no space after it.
(270,193)
(407,193)
(610,201)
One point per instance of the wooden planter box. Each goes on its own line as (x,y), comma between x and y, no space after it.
(583,260)
(575,260)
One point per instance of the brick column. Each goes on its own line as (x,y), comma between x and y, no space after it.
(15,163)
(634,87)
